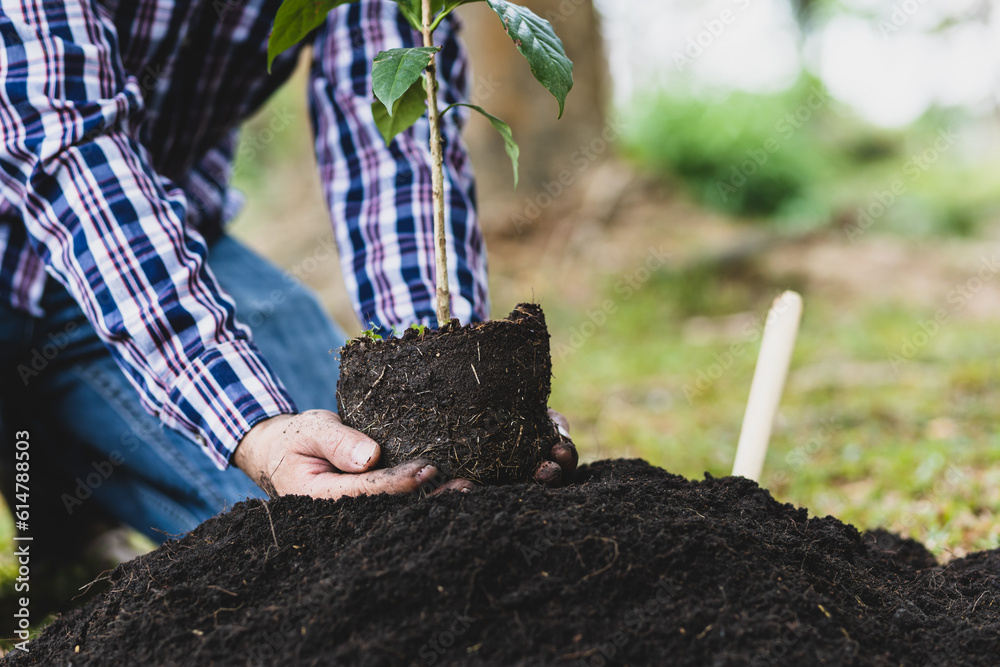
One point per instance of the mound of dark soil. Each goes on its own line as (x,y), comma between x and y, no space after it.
(473,399)
(631,566)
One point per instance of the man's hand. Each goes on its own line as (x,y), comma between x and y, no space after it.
(561,466)
(314,454)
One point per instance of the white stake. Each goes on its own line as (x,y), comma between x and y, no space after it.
(780,331)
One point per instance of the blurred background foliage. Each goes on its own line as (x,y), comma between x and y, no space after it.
(733,155)
(822,167)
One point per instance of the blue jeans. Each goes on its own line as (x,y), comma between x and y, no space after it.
(92,445)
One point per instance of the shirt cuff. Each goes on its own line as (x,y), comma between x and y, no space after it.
(221,395)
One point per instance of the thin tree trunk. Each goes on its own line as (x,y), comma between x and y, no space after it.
(443,296)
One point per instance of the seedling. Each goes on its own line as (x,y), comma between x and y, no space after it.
(405,85)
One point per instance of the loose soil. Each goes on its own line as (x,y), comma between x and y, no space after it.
(472,399)
(629,566)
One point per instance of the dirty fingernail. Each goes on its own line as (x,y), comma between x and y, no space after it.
(548,473)
(363,453)
(426,474)
(562,454)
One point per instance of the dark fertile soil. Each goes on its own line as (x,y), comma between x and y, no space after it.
(472,399)
(629,566)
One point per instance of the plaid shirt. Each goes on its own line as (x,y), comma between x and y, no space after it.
(119,125)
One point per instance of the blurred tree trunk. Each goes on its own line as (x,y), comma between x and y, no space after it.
(503,84)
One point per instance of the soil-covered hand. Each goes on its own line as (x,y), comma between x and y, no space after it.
(315,454)
(561,466)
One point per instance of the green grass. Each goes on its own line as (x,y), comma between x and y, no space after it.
(913,450)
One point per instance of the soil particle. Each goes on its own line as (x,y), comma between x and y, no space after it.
(629,566)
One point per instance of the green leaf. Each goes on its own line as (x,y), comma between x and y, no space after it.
(396,70)
(503,128)
(412,12)
(296,19)
(538,43)
(405,112)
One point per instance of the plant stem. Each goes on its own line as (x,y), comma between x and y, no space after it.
(443,297)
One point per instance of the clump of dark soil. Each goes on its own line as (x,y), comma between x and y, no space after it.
(472,399)
(630,566)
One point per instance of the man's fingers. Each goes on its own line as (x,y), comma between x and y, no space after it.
(347,449)
(453,485)
(560,421)
(549,473)
(404,478)
(564,453)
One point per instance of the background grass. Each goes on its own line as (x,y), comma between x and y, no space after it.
(912,449)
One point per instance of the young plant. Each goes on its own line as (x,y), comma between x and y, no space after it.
(405,85)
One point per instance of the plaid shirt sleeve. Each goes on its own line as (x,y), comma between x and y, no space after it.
(380,196)
(112,230)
